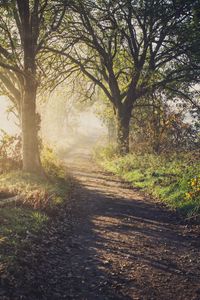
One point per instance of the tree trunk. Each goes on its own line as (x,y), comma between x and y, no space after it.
(111,131)
(30,147)
(156,146)
(123,123)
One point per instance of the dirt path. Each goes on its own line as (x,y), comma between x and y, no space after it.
(113,243)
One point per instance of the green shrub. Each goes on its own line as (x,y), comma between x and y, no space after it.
(39,200)
(53,167)
(105,153)
(10,152)
(175,178)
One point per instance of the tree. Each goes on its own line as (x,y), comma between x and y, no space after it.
(128,48)
(190,32)
(9,88)
(159,126)
(25,27)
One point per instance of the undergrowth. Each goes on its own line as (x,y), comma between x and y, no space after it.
(39,200)
(173,178)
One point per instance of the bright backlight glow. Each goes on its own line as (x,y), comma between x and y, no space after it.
(7,121)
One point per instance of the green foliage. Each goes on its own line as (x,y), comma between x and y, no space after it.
(173,179)
(106,153)
(36,192)
(192,196)
(11,157)
(10,152)
(51,164)
(17,224)
(158,127)
(39,200)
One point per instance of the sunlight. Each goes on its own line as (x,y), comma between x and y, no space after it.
(74,127)
(99,149)
(7,120)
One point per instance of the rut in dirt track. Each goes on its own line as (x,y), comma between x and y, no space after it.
(122,245)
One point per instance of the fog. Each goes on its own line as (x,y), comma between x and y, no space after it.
(7,120)
(64,126)
(68,128)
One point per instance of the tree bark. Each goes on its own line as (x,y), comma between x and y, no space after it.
(30,147)
(111,131)
(123,122)
(156,146)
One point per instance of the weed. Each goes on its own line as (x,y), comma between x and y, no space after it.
(175,179)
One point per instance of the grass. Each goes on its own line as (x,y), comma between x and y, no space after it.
(37,192)
(173,178)
(16,225)
(39,201)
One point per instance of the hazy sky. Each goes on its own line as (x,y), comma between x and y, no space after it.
(7,122)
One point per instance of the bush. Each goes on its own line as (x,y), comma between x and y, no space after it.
(106,153)
(10,152)
(174,179)
(44,193)
(39,201)
(51,164)
(11,157)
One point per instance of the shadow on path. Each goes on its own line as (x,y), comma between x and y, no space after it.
(112,243)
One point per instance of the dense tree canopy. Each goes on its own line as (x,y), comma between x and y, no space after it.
(129,49)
